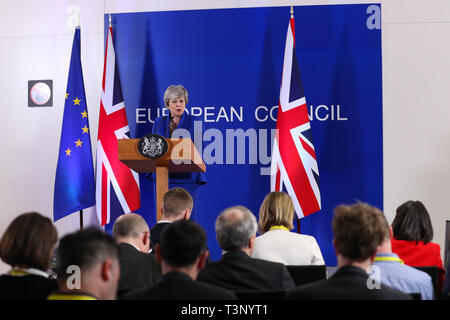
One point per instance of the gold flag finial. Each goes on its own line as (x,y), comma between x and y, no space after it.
(292,12)
(110,21)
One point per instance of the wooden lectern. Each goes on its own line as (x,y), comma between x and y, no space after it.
(181,156)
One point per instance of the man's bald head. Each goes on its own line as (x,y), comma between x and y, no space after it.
(129,226)
(235,227)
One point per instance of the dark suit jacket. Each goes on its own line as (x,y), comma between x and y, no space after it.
(137,269)
(237,271)
(155,233)
(155,236)
(348,283)
(28,287)
(180,286)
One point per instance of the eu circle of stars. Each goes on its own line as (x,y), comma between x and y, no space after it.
(84,130)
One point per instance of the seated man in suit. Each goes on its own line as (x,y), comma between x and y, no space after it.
(358,231)
(177,204)
(87,266)
(182,253)
(237,270)
(395,273)
(138,268)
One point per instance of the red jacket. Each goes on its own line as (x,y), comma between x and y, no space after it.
(420,255)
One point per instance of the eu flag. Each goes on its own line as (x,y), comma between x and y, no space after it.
(74,182)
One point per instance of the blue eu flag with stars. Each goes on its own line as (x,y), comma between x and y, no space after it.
(74,182)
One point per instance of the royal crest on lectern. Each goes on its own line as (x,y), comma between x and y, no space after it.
(153,146)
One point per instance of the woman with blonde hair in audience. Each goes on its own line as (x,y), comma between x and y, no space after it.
(27,246)
(276,242)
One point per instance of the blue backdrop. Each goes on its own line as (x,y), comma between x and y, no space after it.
(230,61)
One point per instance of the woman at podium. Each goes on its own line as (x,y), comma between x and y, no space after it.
(180,124)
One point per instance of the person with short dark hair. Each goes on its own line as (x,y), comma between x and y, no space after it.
(177,204)
(413,233)
(182,253)
(138,268)
(27,246)
(237,270)
(358,231)
(395,273)
(87,266)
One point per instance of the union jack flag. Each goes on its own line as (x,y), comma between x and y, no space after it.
(294,163)
(117,186)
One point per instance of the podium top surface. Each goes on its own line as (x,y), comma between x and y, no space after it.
(181,156)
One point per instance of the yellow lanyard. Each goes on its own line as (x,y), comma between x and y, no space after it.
(278,227)
(15,272)
(388,259)
(18,272)
(59,296)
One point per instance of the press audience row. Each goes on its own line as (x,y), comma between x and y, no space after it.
(171,260)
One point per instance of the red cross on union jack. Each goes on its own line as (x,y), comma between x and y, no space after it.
(113,178)
(294,163)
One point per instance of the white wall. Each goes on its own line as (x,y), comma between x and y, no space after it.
(35,43)
(416,107)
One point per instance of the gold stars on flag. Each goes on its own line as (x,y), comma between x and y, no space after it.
(78,143)
(72,151)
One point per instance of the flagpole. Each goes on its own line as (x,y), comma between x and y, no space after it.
(298,220)
(81,211)
(81,219)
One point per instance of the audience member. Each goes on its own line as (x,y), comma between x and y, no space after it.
(413,233)
(138,268)
(276,242)
(395,273)
(445,294)
(87,266)
(357,232)
(237,271)
(27,246)
(176,205)
(182,253)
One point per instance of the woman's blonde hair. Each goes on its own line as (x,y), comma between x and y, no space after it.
(277,209)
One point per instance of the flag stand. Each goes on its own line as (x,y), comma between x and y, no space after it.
(298,225)
(81,219)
